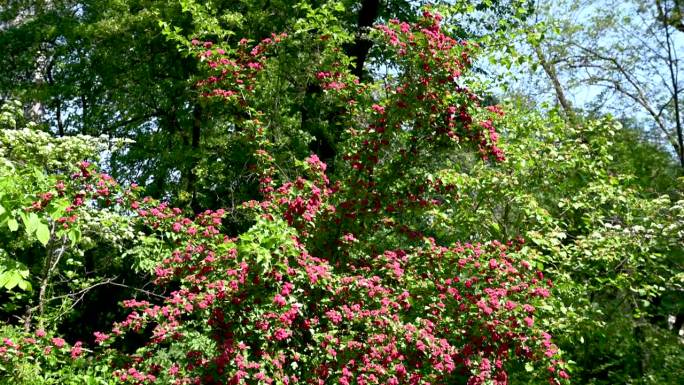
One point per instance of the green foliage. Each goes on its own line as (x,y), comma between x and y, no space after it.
(47,258)
(612,246)
(43,362)
(123,69)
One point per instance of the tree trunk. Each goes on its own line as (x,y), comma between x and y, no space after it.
(194,148)
(322,145)
(550,71)
(370,9)
(675,96)
(52,257)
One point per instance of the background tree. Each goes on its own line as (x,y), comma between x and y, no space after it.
(98,67)
(623,53)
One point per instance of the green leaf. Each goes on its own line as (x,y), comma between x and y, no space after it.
(74,235)
(31,222)
(43,233)
(13,279)
(13,224)
(25,285)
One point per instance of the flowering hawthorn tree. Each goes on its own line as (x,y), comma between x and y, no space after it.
(341,279)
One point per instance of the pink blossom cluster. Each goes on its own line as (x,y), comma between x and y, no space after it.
(234,71)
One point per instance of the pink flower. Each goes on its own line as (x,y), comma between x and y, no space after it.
(496,109)
(334,86)
(315,162)
(282,334)
(9,343)
(40,333)
(349,238)
(529,321)
(542,292)
(280,300)
(287,289)
(76,350)
(334,316)
(493,264)
(551,350)
(58,342)
(254,65)
(100,337)
(485,365)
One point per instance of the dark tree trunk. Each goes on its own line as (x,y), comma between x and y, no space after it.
(194,148)
(323,143)
(369,12)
